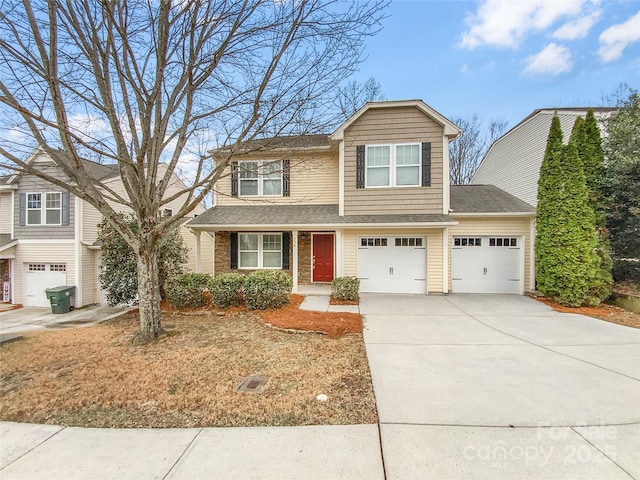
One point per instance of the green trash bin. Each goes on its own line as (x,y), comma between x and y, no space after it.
(60,298)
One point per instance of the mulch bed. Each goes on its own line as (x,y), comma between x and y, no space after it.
(604,311)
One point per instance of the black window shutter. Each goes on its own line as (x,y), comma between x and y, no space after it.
(65,208)
(360,166)
(286,242)
(233,239)
(23,209)
(426,164)
(234,180)
(286,177)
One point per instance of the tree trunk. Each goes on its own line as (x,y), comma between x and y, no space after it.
(148,296)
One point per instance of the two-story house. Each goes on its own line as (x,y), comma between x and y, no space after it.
(513,161)
(48,236)
(372,200)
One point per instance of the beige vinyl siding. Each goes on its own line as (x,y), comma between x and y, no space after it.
(5,212)
(91,218)
(41,252)
(90,279)
(206,250)
(392,126)
(313,180)
(498,226)
(434,252)
(513,162)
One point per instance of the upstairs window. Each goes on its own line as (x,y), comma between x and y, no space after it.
(44,208)
(260,179)
(393,165)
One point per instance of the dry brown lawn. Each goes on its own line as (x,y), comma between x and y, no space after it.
(95,377)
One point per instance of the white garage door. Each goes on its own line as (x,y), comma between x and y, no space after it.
(486,265)
(392,264)
(38,277)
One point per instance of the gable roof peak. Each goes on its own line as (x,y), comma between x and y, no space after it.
(450,129)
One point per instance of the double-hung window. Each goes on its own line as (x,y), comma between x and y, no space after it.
(44,208)
(393,165)
(260,250)
(260,178)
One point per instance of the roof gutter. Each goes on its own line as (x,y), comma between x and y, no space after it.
(320,226)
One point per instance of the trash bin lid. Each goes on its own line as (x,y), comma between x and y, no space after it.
(60,289)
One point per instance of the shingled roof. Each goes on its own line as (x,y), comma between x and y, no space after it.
(486,199)
(302,215)
(291,142)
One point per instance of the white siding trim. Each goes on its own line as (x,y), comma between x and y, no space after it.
(445,260)
(341,179)
(294,238)
(497,214)
(339,261)
(78,251)
(329,226)
(532,255)
(446,195)
(13,221)
(46,241)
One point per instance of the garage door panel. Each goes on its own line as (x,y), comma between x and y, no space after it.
(481,267)
(39,277)
(392,268)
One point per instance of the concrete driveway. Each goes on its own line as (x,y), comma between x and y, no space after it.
(37,318)
(500,386)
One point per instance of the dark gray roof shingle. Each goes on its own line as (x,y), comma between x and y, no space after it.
(286,142)
(300,215)
(5,239)
(485,199)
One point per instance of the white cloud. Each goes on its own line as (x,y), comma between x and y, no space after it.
(505,23)
(577,28)
(615,39)
(552,59)
(464,69)
(88,127)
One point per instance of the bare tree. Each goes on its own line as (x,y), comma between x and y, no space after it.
(354,95)
(468,149)
(134,82)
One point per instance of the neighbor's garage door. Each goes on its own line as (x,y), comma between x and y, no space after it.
(38,277)
(392,264)
(486,265)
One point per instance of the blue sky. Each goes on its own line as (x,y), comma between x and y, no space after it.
(504,59)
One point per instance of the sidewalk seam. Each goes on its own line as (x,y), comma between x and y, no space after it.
(605,455)
(32,449)
(183,453)
(384,467)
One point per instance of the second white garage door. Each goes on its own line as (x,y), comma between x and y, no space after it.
(392,264)
(486,265)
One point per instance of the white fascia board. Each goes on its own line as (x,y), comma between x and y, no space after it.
(9,187)
(317,226)
(494,214)
(8,246)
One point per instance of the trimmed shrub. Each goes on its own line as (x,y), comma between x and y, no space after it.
(345,288)
(226,289)
(267,288)
(187,289)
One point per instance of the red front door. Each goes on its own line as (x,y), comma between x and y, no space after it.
(322,257)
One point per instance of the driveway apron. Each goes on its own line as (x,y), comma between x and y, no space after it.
(501,386)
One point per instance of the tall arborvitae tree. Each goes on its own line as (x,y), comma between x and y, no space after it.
(586,137)
(566,259)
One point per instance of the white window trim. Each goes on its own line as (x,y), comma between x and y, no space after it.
(43,209)
(261,178)
(260,251)
(392,165)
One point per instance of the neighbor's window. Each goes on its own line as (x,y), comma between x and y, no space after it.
(260,250)
(260,178)
(44,206)
(393,165)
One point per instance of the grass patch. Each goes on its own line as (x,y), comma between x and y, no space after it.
(95,377)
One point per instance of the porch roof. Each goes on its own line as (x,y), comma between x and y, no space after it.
(305,216)
(5,239)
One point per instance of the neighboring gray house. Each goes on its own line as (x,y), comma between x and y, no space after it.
(47,236)
(513,161)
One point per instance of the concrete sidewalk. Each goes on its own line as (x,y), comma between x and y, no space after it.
(317,452)
(38,318)
(502,387)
